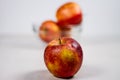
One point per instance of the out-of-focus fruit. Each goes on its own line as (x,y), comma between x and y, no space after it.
(69,14)
(63,57)
(66,32)
(49,30)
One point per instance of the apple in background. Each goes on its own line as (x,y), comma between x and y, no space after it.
(69,14)
(49,30)
(63,57)
(65,32)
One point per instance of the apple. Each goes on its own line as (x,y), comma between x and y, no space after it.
(49,30)
(68,14)
(63,57)
(65,32)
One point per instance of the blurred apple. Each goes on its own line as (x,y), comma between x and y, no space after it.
(65,32)
(69,14)
(49,30)
(63,57)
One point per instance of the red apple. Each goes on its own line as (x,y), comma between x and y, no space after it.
(49,30)
(63,57)
(65,32)
(69,14)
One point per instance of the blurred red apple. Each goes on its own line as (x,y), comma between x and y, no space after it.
(49,30)
(63,57)
(69,14)
(65,32)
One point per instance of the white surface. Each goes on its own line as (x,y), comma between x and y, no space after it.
(101,17)
(21,58)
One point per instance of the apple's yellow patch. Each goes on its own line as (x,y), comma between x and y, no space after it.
(53,66)
(67,54)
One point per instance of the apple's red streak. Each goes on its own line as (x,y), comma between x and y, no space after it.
(75,20)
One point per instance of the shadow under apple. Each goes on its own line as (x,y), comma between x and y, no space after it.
(86,72)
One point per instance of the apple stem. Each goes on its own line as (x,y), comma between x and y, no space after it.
(60,41)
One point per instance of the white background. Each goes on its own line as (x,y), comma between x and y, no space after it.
(101,17)
(21,52)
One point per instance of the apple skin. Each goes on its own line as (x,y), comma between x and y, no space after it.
(69,14)
(63,57)
(49,30)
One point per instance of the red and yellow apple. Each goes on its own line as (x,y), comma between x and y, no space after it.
(63,57)
(49,30)
(69,14)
